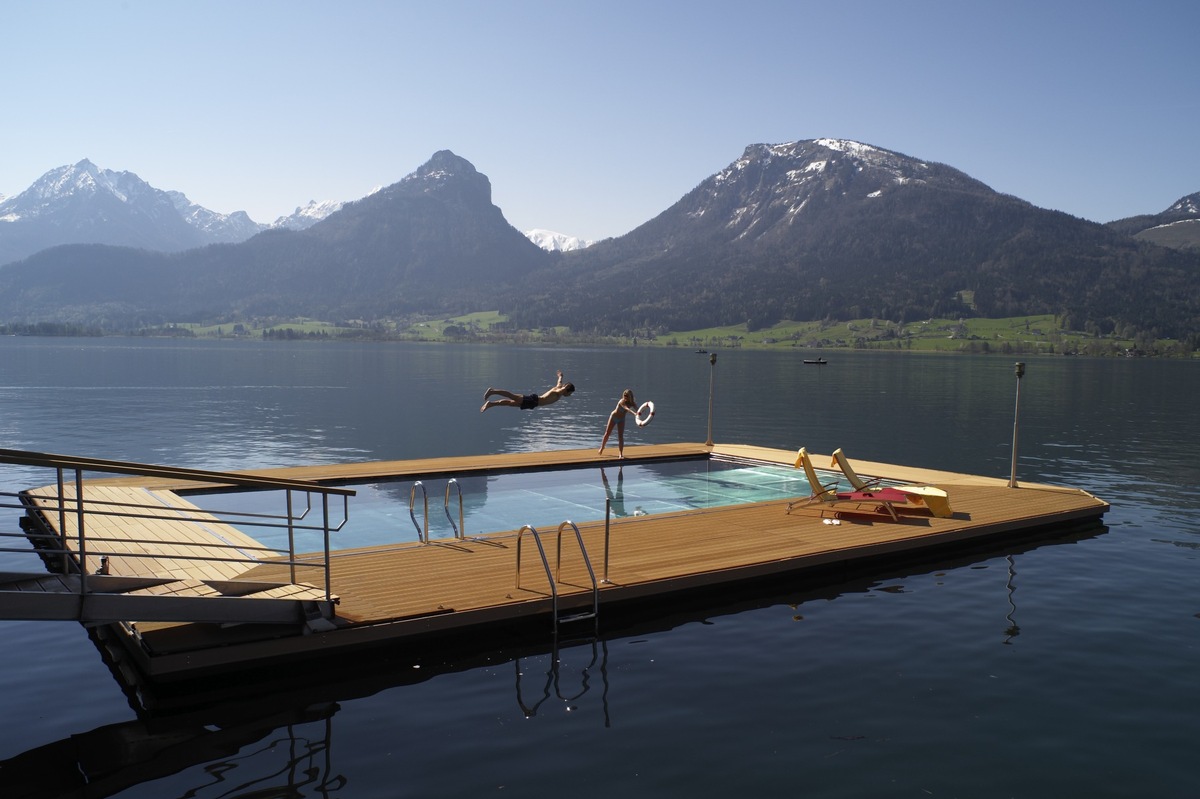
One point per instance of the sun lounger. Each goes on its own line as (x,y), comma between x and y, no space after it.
(840,461)
(935,499)
(827,493)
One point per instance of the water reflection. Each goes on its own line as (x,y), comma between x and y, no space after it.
(273,734)
(1012,630)
(554,677)
(616,499)
(285,752)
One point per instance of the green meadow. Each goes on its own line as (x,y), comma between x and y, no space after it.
(1027,335)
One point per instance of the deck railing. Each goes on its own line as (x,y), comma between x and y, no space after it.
(81,554)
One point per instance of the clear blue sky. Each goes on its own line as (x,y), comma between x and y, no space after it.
(591,118)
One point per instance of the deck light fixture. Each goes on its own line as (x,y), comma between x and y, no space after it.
(1019,368)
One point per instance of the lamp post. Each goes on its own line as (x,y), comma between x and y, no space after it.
(1012,477)
(712,368)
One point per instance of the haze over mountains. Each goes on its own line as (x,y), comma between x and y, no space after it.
(811,229)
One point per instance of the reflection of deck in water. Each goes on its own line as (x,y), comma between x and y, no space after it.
(180,726)
(463,586)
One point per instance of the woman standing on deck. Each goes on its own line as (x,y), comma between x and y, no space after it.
(625,406)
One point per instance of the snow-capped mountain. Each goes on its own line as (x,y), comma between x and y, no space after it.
(1186,206)
(221,228)
(66,187)
(814,229)
(556,242)
(305,216)
(1177,227)
(84,204)
(772,186)
(795,230)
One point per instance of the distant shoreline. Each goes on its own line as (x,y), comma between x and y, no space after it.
(1061,344)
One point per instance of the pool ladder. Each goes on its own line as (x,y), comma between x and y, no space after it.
(423,530)
(553,577)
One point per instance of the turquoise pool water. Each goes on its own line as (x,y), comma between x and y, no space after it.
(380,512)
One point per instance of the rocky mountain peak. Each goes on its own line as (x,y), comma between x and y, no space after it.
(447,174)
(1186,206)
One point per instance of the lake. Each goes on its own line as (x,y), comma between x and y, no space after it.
(1063,667)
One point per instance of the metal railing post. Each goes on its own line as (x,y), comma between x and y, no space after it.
(62,519)
(328,566)
(607,531)
(712,368)
(80,531)
(291,529)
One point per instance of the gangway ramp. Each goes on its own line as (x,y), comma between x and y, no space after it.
(128,553)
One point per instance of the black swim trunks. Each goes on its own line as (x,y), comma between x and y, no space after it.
(529,402)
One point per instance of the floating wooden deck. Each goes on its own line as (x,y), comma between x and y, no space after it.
(456,587)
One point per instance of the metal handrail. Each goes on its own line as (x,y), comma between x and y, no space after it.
(242,480)
(460,529)
(537,539)
(595,614)
(412,498)
(553,577)
(60,505)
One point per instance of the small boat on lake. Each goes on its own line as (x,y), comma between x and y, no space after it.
(816,361)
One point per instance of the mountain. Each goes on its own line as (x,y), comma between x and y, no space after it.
(83,204)
(216,228)
(1178,226)
(830,228)
(556,242)
(306,216)
(433,242)
(814,229)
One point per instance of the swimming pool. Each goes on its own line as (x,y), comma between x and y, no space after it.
(380,512)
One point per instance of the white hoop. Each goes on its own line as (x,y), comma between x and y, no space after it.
(645,406)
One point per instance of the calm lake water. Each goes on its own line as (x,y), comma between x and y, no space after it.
(1066,667)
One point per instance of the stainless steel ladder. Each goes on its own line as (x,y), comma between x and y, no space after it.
(553,577)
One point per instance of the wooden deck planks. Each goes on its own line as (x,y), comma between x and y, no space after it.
(691,546)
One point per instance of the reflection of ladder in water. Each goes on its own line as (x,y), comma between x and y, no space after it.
(584,615)
(553,680)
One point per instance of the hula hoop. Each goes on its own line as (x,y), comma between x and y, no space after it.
(645,406)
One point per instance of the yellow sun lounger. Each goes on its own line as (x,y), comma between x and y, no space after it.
(933,498)
(827,493)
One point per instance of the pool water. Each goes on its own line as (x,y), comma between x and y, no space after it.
(381,514)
